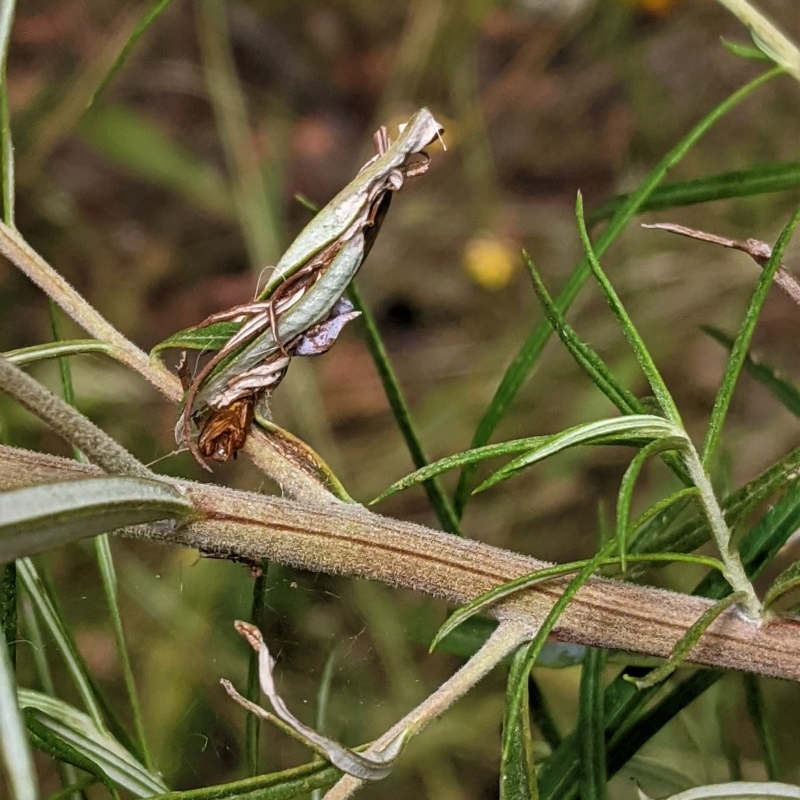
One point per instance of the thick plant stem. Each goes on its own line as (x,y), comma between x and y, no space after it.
(347,539)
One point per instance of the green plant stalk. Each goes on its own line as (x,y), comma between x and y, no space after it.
(534,344)
(105,562)
(591,726)
(764,733)
(256,209)
(439,501)
(149,17)
(43,603)
(734,572)
(68,774)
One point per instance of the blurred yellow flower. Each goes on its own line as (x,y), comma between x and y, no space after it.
(489,262)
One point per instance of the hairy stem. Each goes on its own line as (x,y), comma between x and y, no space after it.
(349,540)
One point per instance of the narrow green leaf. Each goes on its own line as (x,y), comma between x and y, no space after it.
(108,574)
(209,338)
(591,726)
(520,367)
(783,390)
(64,753)
(483,601)
(134,143)
(687,641)
(15,752)
(77,730)
(657,510)
(150,16)
(39,518)
(256,191)
(533,649)
(60,349)
(517,767)
(764,732)
(664,398)
(786,582)
(633,428)
(744,50)
(7,189)
(628,483)
(291,783)
(439,501)
(460,459)
(743,338)
(44,604)
(736,507)
(762,179)
(627,727)
(740,790)
(586,357)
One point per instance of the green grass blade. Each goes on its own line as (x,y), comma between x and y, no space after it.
(134,143)
(742,342)
(256,199)
(258,610)
(758,716)
(15,752)
(68,775)
(591,726)
(654,379)
(108,574)
(517,767)
(149,17)
(6,143)
(8,572)
(522,363)
(45,607)
(763,179)
(439,501)
(783,390)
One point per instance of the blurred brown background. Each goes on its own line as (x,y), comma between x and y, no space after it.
(132,200)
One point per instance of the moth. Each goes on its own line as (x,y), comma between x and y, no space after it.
(301,309)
